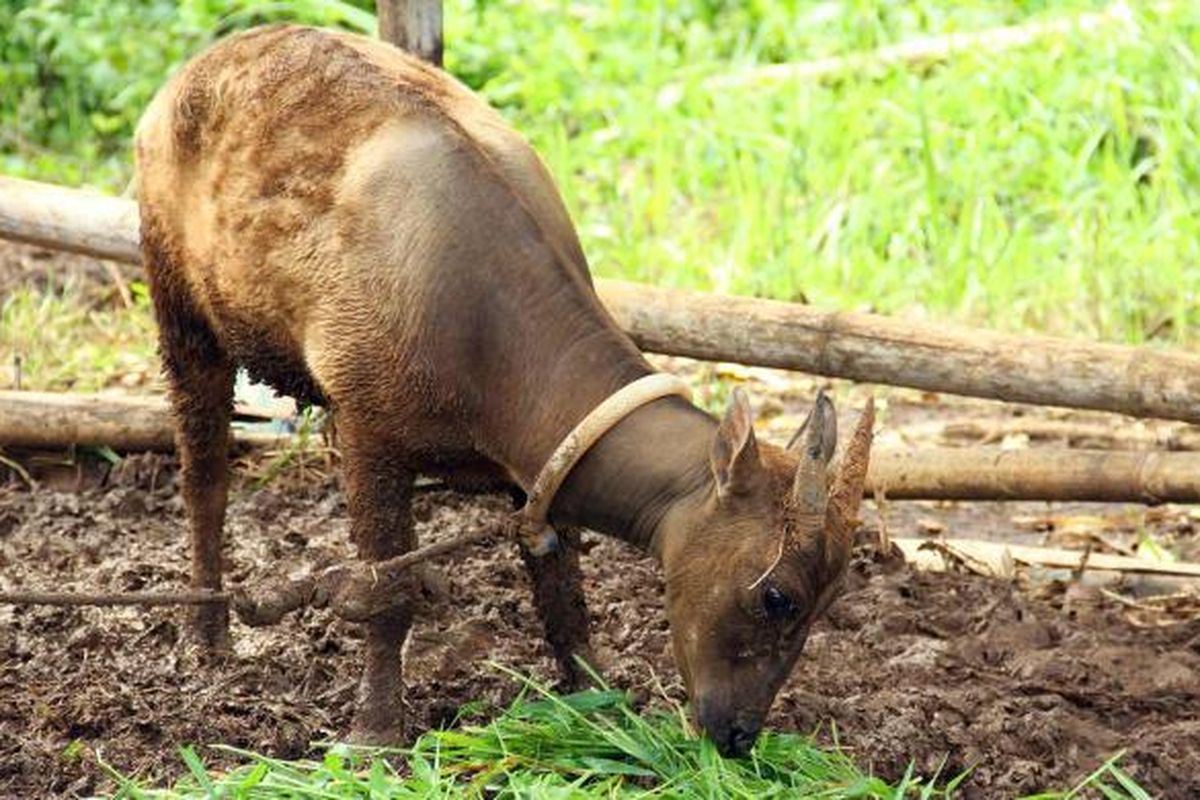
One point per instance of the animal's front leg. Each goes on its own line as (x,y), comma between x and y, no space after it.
(379,494)
(558,595)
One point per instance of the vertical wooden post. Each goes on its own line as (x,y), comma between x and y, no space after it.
(412,25)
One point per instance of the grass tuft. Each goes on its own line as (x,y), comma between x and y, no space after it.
(592,744)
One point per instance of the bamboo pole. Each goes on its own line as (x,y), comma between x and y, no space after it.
(412,25)
(53,421)
(1140,381)
(1042,370)
(69,219)
(1074,433)
(979,473)
(43,420)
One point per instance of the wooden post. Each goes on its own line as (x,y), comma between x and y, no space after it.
(412,25)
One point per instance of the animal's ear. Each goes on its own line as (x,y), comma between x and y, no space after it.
(818,433)
(735,462)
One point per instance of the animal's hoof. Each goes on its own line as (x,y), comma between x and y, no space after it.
(581,671)
(369,735)
(542,543)
(209,630)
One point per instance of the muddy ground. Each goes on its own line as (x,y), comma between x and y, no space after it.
(1032,686)
(1032,681)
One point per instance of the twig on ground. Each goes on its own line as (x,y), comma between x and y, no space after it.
(114,274)
(992,555)
(356,591)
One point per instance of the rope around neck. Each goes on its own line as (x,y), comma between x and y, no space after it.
(533,528)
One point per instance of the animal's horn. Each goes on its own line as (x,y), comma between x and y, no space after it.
(810,485)
(845,496)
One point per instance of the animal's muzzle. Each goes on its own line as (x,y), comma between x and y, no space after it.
(733,734)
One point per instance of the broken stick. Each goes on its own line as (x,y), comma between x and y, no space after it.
(993,555)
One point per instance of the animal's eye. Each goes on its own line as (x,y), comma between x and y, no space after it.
(777,604)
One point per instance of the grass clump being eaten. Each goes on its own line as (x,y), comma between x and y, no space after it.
(592,744)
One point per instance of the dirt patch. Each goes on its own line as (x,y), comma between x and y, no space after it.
(1032,688)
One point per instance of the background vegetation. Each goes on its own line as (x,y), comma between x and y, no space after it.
(1055,186)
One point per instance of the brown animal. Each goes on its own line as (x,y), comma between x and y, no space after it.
(359,230)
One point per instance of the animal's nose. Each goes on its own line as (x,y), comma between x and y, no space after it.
(735,741)
(733,736)
(743,740)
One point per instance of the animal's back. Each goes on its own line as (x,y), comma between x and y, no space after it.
(323,194)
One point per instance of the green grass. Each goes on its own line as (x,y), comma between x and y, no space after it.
(72,340)
(586,745)
(1054,187)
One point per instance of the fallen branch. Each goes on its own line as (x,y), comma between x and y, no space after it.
(1044,370)
(954,473)
(54,421)
(924,50)
(1096,435)
(43,420)
(930,554)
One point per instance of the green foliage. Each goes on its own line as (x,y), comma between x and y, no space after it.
(74,77)
(586,745)
(590,744)
(73,340)
(1053,186)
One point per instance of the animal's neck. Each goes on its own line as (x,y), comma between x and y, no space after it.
(655,457)
(570,355)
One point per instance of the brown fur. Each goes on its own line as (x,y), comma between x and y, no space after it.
(360,231)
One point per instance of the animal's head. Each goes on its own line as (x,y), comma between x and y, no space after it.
(752,564)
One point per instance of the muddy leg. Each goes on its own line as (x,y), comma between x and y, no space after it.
(379,494)
(558,595)
(200,386)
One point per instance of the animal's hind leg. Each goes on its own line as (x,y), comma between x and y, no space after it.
(200,385)
(558,595)
(379,494)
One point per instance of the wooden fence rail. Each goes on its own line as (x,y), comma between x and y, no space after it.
(44,420)
(1140,381)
